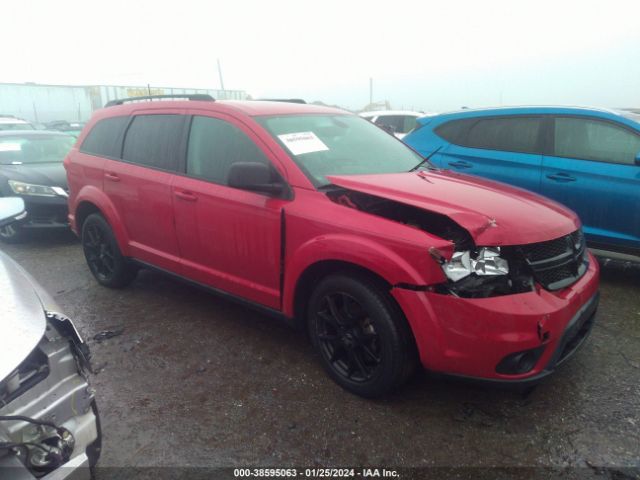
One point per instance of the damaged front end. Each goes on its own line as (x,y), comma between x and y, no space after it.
(48,416)
(474,271)
(483,272)
(491,271)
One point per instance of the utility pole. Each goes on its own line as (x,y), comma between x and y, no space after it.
(220,75)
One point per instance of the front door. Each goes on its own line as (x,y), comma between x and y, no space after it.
(229,238)
(592,170)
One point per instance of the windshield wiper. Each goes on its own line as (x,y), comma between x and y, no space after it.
(426,159)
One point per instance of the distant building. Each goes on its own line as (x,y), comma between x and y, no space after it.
(45,103)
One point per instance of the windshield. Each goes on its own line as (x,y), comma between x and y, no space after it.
(15,150)
(324,145)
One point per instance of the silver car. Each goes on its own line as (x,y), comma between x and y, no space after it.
(49,424)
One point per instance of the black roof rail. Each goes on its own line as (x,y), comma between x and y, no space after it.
(287,100)
(189,96)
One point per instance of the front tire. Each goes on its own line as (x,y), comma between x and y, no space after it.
(106,262)
(361,335)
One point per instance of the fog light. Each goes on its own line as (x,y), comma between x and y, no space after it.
(520,362)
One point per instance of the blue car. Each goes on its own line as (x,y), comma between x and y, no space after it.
(587,159)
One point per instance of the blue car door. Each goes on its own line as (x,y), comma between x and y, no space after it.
(507,149)
(591,169)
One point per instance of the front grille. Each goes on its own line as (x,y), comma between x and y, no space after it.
(557,263)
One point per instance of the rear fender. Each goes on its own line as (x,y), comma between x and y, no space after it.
(97,197)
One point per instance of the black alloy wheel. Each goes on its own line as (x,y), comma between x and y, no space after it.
(363,339)
(347,338)
(107,264)
(99,252)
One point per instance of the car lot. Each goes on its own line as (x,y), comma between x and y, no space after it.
(197,380)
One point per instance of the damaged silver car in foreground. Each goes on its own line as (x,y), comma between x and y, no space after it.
(49,424)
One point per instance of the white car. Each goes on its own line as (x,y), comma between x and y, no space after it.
(400,122)
(14,123)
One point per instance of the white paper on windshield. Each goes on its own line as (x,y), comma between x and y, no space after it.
(303,142)
(10,147)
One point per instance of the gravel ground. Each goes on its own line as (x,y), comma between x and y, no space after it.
(194,380)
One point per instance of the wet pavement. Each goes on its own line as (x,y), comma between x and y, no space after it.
(189,379)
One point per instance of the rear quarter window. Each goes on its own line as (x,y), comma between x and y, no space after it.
(105,138)
(455,131)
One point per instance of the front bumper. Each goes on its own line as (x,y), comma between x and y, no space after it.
(470,337)
(45,212)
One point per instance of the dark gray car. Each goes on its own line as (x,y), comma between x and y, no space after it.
(31,167)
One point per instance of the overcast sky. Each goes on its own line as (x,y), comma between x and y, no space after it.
(431,56)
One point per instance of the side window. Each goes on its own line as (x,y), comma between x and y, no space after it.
(510,134)
(594,140)
(104,139)
(409,123)
(214,145)
(394,121)
(455,131)
(154,141)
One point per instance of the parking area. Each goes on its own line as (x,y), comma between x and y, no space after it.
(193,379)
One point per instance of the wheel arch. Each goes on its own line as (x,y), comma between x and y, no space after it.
(92,200)
(315,272)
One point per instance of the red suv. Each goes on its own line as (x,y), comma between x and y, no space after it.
(317,215)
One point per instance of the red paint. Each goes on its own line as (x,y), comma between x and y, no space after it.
(494,213)
(232,239)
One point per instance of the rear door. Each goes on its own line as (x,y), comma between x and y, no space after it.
(139,185)
(229,238)
(508,148)
(86,165)
(591,169)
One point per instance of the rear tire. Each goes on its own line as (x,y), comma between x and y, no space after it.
(12,233)
(361,335)
(106,262)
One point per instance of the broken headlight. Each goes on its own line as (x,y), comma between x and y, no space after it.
(486,262)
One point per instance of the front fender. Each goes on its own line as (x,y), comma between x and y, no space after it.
(101,201)
(408,264)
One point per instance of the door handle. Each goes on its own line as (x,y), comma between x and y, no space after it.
(112,177)
(461,164)
(185,195)
(561,177)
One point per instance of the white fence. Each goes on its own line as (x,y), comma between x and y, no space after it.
(46,103)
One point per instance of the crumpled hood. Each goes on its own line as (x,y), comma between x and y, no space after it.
(49,174)
(493,213)
(22,318)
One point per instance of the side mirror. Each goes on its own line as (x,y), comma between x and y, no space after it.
(638,159)
(253,176)
(11,210)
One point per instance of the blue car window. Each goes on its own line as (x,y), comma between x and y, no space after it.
(510,134)
(595,140)
(455,131)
